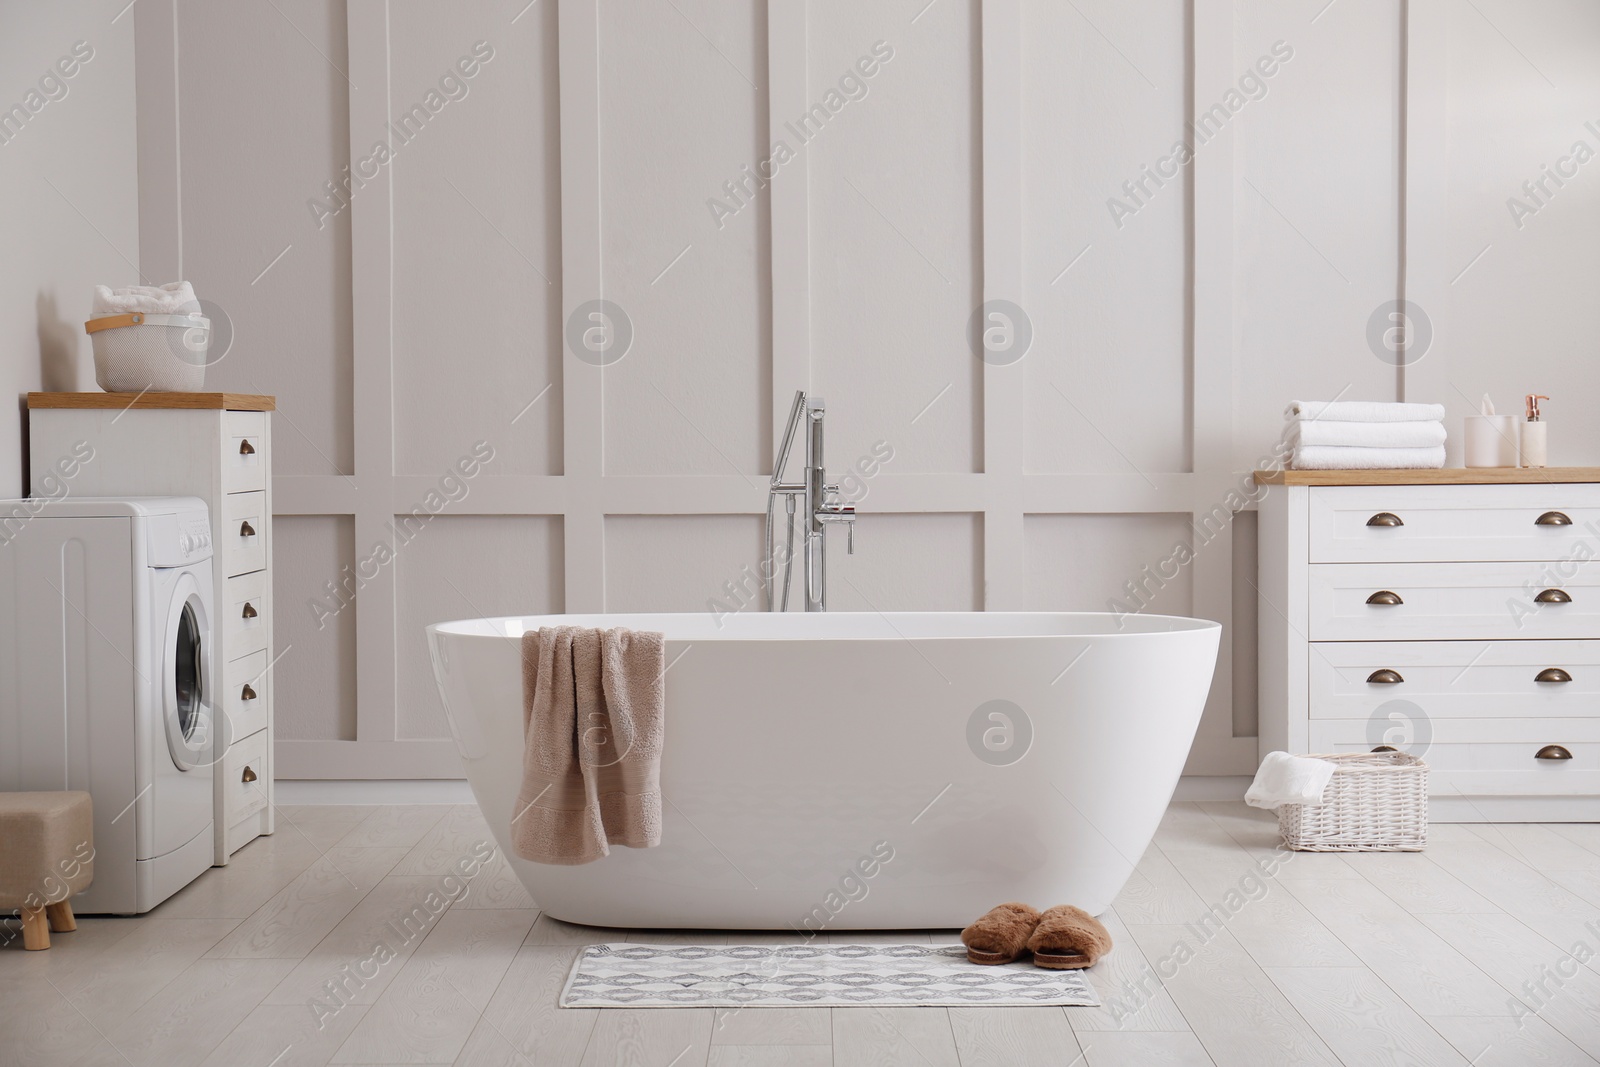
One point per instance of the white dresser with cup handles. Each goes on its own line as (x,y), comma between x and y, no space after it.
(218,447)
(1453,614)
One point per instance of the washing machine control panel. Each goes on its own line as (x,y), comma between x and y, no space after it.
(194,535)
(178,539)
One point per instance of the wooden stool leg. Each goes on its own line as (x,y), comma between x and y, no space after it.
(61,917)
(35,929)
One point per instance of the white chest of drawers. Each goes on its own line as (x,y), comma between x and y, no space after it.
(216,446)
(1453,614)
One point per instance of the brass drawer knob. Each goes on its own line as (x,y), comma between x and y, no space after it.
(247,693)
(1385,518)
(1552,752)
(1385,677)
(246,448)
(249,611)
(248,776)
(1552,518)
(1384,596)
(1553,596)
(1552,674)
(246,530)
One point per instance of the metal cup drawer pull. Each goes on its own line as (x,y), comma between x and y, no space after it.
(1552,674)
(1552,752)
(249,611)
(246,448)
(248,776)
(1553,596)
(247,693)
(1385,518)
(1552,518)
(246,530)
(1385,677)
(1385,597)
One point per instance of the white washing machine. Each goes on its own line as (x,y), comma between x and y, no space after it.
(106,681)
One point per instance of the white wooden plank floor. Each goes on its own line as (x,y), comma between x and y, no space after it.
(1483,950)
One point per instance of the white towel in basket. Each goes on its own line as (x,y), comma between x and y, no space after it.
(174,298)
(1286,779)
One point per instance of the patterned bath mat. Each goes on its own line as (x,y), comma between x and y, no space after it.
(774,976)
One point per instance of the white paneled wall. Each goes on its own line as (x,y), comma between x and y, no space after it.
(1317,209)
(465,566)
(908,562)
(258,138)
(1121,546)
(1109,384)
(679,562)
(895,243)
(69,182)
(316,673)
(477,241)
(682,109)
(929,157)
(1506,95)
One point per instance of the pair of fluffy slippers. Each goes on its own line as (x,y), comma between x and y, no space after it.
(1063,938)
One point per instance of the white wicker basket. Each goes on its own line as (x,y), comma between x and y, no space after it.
(1375,802)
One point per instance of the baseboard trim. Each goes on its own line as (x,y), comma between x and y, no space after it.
(293,792)
(1212,787)
(375,760)
(1513,809)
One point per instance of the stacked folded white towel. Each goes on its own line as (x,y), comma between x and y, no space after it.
(174,298)
(1364,435)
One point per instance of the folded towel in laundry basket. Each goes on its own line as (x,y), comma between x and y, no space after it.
(173,298)
(1286,779)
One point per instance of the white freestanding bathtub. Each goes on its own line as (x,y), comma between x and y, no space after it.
(845,771)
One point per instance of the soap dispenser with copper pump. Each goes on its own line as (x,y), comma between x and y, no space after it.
(1535,439)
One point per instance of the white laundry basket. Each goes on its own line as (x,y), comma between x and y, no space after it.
(1375,802)
(135,352)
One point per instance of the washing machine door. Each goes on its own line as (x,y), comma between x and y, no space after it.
(191,726)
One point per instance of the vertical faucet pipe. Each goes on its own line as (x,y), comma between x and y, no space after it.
(767,565)
(788,558)
(816,479)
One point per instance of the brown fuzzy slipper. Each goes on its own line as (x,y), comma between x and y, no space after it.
(1001,935)
(1068,938)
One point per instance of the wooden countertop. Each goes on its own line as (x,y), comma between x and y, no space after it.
(1445,476)
(123,401)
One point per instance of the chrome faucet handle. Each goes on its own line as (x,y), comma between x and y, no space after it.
(846,513)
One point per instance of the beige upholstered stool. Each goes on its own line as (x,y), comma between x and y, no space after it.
(46,855)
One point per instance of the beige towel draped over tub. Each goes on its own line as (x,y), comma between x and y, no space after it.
(592,724)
